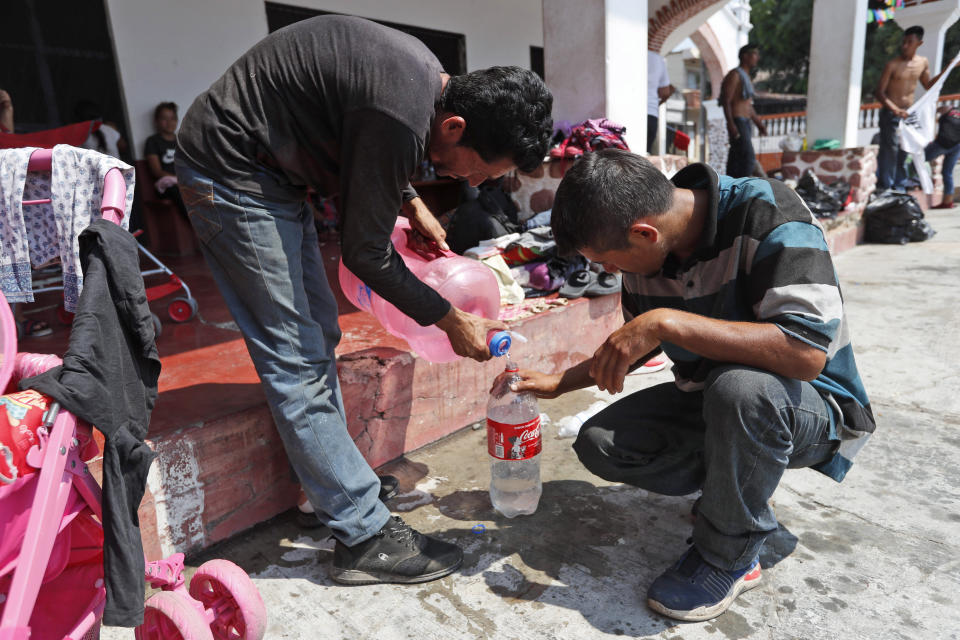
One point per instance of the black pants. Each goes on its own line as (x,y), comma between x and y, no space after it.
(652,123)
(741,160)
(891,159)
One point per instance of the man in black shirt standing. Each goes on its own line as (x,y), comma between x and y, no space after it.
(350,108)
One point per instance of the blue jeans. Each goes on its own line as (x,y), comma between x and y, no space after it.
(891,159)
(933,151)
(733,440)
(265,258)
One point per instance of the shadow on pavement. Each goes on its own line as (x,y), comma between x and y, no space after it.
(589,549)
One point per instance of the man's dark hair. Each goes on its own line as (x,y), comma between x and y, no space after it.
(507,110)
(602,194)
(916,30)
(90,110)
(172,106)
(745,49)
(87,110)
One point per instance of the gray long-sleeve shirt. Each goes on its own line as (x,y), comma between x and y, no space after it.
(339,104)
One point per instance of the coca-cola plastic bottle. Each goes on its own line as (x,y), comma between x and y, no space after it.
(514,444)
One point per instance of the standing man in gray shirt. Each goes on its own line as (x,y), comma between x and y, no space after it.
(350,108)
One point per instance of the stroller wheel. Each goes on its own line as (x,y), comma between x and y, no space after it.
(157,327)
(169,616)
(229,592)
(182,309)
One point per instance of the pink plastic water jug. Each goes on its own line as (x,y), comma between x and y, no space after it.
(467,284)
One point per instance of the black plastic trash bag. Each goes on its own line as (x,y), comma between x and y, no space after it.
(894,217)
(824,201)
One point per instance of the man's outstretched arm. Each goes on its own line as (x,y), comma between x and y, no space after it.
(926,80)
(762,345)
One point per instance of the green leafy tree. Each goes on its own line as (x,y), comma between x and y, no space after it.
(781,28)
(883,43)
(951,47)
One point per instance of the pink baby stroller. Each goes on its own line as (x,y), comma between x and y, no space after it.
(51,532)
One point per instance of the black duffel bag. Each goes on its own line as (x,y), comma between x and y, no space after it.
(894,217)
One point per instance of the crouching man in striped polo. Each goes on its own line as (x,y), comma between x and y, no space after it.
(733,280)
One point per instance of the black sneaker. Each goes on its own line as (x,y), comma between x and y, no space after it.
(396,554)
(388,489)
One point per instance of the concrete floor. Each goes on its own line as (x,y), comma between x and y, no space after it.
(875,557)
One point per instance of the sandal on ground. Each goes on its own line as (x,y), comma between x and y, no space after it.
(604,284)
(577,283)
(33,329)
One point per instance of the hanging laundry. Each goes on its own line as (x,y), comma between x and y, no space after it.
(39,234)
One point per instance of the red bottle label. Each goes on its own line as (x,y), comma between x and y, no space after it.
(513,441)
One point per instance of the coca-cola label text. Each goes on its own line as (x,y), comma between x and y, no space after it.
(513,441)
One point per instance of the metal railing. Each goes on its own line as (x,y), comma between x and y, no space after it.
(870,113)
(783,125)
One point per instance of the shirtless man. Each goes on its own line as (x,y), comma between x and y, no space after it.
(895,92)
(736,98)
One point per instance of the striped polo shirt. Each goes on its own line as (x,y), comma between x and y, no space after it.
(762,257)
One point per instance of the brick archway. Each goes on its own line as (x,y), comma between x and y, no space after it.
(712,55)
(672,15)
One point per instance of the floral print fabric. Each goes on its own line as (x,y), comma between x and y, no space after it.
(38,234)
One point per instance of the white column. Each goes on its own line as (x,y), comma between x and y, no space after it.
(595,62)
(935,18)
(626,67)
(837,41)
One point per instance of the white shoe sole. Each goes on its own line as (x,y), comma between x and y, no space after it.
(355,577)
(708,612)
(649,369)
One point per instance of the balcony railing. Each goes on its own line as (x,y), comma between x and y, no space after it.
(870,113)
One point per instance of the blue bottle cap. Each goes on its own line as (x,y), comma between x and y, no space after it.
(499,343)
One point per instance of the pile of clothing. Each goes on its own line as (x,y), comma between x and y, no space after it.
(527,266)
(521,252)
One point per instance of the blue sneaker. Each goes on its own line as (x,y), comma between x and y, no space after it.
(695,590)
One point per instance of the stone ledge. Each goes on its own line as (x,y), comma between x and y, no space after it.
(534,192)
(214,478)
